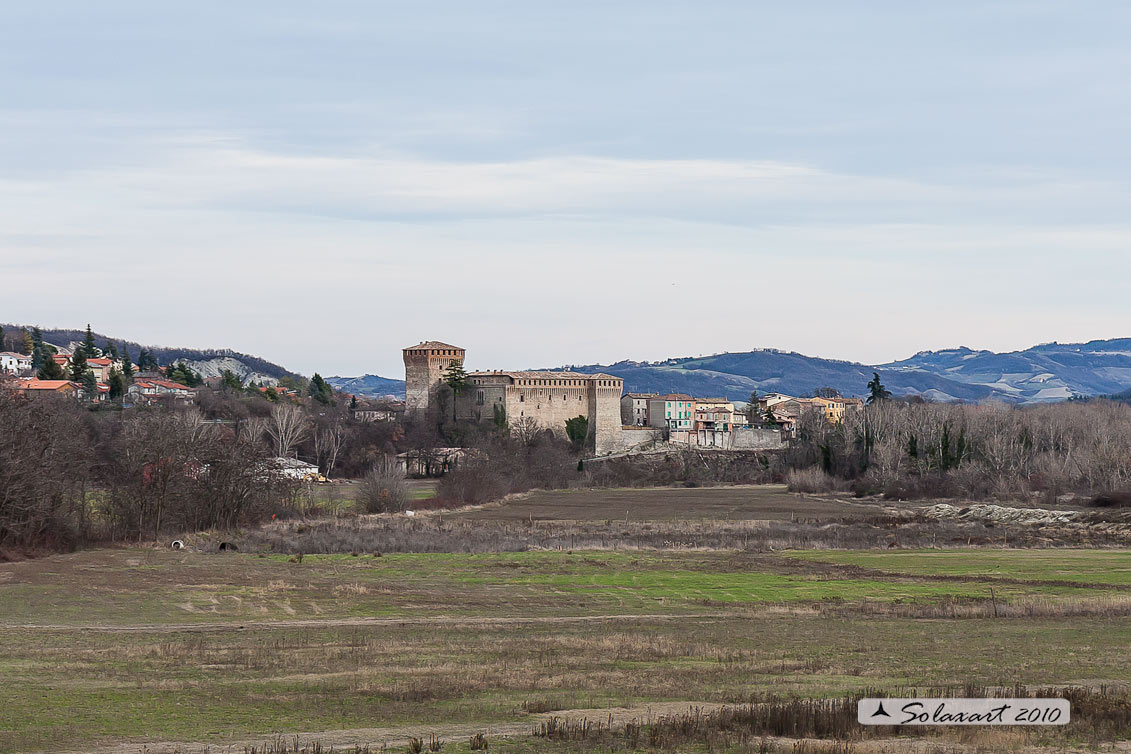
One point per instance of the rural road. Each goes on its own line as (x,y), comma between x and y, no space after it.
(399,736)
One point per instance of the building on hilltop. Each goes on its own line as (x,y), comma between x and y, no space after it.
(545,400)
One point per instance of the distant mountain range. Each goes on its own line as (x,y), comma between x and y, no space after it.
(1049,372)
(368,385)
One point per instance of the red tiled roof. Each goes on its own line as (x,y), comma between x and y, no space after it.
(34,384)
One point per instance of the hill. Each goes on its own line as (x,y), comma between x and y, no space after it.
(736,375)
(369,385)
(1050,371)
(206,362)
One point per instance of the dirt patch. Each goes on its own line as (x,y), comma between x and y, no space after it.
(399,736)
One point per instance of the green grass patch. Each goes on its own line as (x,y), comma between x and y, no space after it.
(1102,567)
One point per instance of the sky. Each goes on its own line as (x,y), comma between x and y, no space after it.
(323,184)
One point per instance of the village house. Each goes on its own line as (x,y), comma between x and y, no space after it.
(833,408)
(634,409)
(14,363)
(101,368)
(382,412)
(34,387)
(675,411)
(152,390)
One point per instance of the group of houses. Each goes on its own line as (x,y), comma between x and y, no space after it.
(144,388)
(679,413)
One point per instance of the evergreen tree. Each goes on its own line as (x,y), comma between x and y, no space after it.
(78,365)
(229,380)
(877,390)
(111,350)
(89,347)
(319,389)
(455,377)
(28,346)
(577,429)
(3,345)
(49,369)
(89,384)
(752,408)
(127,367)
(353,403)
(36,337)
(117,384)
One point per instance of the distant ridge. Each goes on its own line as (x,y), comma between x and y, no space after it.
(1044,373)
(208,362)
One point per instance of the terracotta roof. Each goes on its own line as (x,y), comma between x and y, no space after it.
(676,397)
(13,353)
(640,395)
(34,384)
(100,362)
(543,375)
(433,344)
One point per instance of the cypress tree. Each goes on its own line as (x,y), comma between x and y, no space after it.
(127,367)
(78,365)
(89,347)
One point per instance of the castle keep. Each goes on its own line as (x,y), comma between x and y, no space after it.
(542,399)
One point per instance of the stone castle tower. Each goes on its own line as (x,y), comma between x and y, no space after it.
(424,367)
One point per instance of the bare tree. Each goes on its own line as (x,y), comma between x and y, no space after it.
(328,442)
(287,426)
(525,429)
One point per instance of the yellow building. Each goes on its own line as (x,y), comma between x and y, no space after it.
(833,408)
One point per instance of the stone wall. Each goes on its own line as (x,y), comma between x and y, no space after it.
(740,438)
(632,439)
(549,401)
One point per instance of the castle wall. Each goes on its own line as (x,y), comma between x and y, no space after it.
(549,405)
(606,418)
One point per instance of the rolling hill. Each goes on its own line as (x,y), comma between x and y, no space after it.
(369,385)
(205,362)
(1048,372)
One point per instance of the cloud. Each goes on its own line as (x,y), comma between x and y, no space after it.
(205,241)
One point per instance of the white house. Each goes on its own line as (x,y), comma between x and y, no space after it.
(14,363)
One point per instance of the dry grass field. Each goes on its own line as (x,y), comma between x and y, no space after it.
(768,502)
(144,649)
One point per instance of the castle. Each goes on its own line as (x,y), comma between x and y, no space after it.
(545,400)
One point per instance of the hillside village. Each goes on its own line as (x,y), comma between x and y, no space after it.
(615,421)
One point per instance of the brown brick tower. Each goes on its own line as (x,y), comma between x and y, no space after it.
(424,367)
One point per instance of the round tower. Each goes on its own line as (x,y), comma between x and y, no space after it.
(424,367)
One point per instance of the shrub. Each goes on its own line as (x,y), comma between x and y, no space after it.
(383,492)
(810,480)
